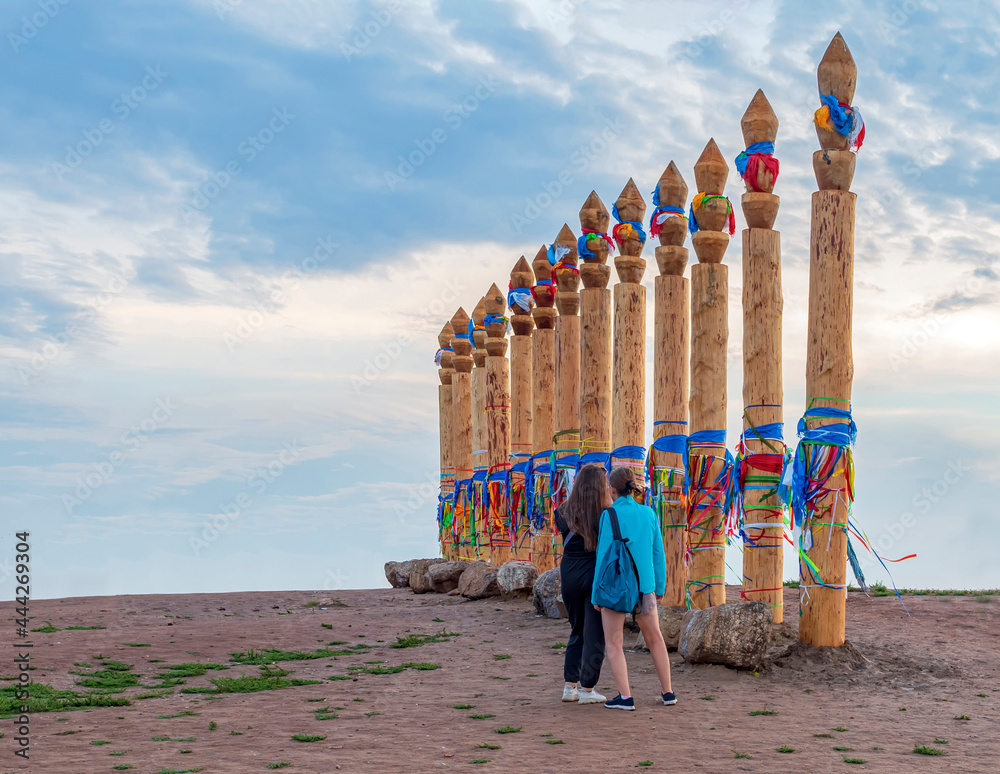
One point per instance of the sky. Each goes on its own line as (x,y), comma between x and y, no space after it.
(231,231)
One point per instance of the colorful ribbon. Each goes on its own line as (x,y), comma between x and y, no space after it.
(583,243)
(626,228)
(699,201)
(749,161)
(521,298)
(846,120)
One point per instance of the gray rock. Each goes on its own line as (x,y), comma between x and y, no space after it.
(546,594)
(670,625)
(479,581)
(419,581)
(517,578)
(444,577)
(398,574)
(735,635)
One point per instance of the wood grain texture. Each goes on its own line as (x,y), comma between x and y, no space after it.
(830,375)
(480,454)
(461,454)
(595,370)
(521,422)
(567,410)
(543,378)
(709,340)
(628,409)
(447,470)
(762,399)
(498,442)
(671,322)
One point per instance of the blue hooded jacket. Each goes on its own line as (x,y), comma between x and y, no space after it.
(638,523)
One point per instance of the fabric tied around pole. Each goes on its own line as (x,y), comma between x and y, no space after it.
(698,202)
(589,235)
(846,120)
(520,300)
(662,213)
(626,228)
(749,161)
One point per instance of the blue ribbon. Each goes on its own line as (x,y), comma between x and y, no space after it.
(555,253)
(519,297)
(637,226)
(842,117)
(744,157)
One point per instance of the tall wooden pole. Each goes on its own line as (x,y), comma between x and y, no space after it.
(672,315)
(447,492)
(497,426)
(822,506)
(479,537)
(595,334)
(562,257)
(628,407)
(520,302)
(543,426)
(461,430)
(762,443)
(707,457)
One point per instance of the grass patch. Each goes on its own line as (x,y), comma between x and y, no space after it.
(279,765)
(791,584)
(177,671)
(181,714)
(962,717)
(500,656)
(981,695)
(707,698)
(786,749)
(508,730)
(421,666)
(339,677)
(212,726)
(856,761)
(45,698)
(841,729)
(245,684)
(99,742)
(119,753)
(307,738)
(558,646)
(554,741)
(271,655)
(483,716)
(47,629)
(488,746)
(940,741)
(324,714)
(644,763)
(922,749)
(765,711)
(137,644)
(179,771)
(122,767)
(737,754)
(114,677)
(844,749)
(480,760)
(463,706)
(415,640)
(393,670)
(83,628)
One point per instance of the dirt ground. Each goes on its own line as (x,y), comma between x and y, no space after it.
(904,684)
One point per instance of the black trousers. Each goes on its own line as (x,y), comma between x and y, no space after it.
(585,650)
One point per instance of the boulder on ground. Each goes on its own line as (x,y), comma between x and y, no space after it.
(419,581)
(546,594)
(735,635)
(516,578)
(670,627)
(479,581)
(444,577)
(398,574)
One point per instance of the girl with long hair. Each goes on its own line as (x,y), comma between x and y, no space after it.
(639,527)
(577,519)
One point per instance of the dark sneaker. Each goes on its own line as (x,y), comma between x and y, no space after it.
(621,703)
(669,698)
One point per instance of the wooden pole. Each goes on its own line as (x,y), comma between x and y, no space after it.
(562,258)
(709,339)
(829,363)
(497,426)
(763,448)
(543,426)
(445,502)
(461,430)
(478,538)
(672,315)
(628,407)
(520,302)
(595,335)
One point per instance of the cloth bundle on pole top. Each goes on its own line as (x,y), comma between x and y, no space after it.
(761,454)
(462,434)
(446,493)
(823,489)
(545,538)
(628,414)
(479,539)
(498,524)
(562,256)
(595,337)
(667,461)
(710,465)
(520,303)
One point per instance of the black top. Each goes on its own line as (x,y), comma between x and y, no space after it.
(574,547)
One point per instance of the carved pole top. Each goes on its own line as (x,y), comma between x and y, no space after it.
(479,333)
(461,342)
(711,170)
(837,73)
(544,291)
(444,359)
(594,215)
(630,208)
(563,260)
(496,322)
(669,221)
(759,123)
(521,276)
(672,188)
(519,299)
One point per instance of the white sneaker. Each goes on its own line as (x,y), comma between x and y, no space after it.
(591,697)
(570,693)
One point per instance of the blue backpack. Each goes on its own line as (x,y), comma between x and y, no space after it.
(616,585)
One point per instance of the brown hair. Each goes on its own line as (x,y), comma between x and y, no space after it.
(622,480)
(586,502)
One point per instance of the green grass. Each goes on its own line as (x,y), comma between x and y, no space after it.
(324,714)
(463,706)
(122,766)
(47,629)
(488,746)
(962,717)
(558,646)
(421,666)
(326,626)
(99,742)
(212,726)
(764,711)
(844,749)
(786,749)
(508,730)
(415,640)
(644,763)
(554,741)
(177,671)
(858,761)
(500,656)
(119,753)
(922,749)
(181,714)
(480,760)
(279,765)
(271,655)
(45,698)
(245,684)
(940,741)
(171,739)
(707,698)
(179,771)
(137,644)
(372,714)
(392,670)
(482,716)
(114,677)
(740,755)
(791,584)
(498,677)
(981,695)
(841,729)
(438,620)
(307,738)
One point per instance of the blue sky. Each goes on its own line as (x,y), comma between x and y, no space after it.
(230,232)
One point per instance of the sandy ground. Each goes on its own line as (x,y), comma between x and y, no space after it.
(916,676)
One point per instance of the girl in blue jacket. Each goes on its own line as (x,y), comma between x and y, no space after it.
(639,525)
